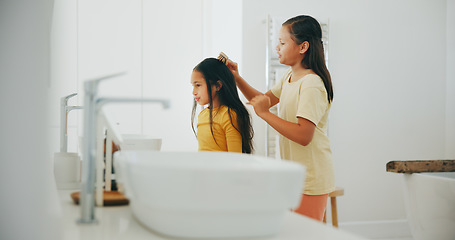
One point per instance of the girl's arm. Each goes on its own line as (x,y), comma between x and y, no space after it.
(301,132)
(248,91)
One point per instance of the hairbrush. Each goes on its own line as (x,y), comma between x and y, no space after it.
(223,58)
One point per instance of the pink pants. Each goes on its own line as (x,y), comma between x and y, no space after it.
(313,206)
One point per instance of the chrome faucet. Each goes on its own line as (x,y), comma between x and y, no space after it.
(64,110)
(92,106)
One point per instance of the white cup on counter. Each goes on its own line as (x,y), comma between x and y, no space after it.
(67,170)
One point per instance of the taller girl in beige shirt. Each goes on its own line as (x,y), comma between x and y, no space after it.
(305,95)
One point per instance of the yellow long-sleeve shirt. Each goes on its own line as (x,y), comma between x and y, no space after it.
(227,137)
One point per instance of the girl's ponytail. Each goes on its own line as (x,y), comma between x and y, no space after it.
(306,28)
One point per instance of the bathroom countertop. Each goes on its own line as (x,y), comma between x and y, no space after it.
(118,222)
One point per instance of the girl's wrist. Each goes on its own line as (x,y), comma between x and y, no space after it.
(264,115)
(237,78)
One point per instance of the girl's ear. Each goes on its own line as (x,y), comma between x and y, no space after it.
(219,85)
(304,47)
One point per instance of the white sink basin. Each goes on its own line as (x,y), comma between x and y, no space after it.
(209,194)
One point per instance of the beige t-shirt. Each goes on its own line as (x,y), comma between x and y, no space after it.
(307,98)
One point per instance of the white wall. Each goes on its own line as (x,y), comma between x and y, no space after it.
(388,66)
(222,29)
(64,72)
(108,42)
(172,46)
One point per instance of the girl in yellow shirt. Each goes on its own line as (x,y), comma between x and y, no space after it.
(225,124)
(305,95)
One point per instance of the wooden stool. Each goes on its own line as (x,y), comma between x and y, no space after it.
(339,191)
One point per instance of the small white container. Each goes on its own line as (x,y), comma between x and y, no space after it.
(140,142)
(67,170)
(209,194)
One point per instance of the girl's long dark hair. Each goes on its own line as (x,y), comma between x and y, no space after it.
(213,71)
(305,28)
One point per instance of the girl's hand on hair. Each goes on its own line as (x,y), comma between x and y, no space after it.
(261,104)
(233,67)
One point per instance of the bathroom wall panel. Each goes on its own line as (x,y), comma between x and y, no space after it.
(110,42)
(172,46)
(91,39)
(63,61)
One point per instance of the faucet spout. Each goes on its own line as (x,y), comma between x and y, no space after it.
(92,107)
(64,110)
